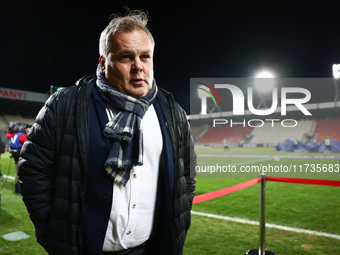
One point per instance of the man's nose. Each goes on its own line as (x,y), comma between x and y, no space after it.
(137,65)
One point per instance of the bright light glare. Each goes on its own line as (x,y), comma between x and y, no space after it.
(336,71)
(264,74)
(264,85)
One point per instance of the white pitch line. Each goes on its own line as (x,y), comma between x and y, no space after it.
(250,162)
(245,221)
(9,177)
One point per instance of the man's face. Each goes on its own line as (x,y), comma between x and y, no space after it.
(129,63)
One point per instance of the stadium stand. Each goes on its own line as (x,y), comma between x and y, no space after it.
(6,119)
(278,133)
(264,135)
(13,118)
(328,128)
(3,123)
(234,135)
(3,128)
(198,132)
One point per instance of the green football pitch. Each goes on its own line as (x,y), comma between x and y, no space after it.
(298,206)
(310,208)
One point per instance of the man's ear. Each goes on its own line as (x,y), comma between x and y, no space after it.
(102,64)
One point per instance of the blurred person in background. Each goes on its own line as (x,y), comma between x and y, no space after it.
(2,150)
(328,145)
(17,135)
(226,145)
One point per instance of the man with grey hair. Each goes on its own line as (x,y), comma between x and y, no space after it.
(109,165)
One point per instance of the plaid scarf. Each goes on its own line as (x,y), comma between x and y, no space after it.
(125,129)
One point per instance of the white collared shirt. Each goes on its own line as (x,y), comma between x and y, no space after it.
(133,206)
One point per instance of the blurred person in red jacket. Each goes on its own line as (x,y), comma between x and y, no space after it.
(2,150)
(17,135)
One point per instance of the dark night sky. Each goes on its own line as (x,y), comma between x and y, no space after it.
(47,43)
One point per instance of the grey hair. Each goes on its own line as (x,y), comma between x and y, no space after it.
(132,21)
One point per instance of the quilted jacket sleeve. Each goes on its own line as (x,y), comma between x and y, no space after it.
(190,160)
(36,167)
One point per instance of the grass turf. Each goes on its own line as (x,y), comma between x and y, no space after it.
(14,216)
(294,205)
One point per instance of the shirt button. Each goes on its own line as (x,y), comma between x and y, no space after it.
(99,232)
(134,175)
(134,206)
(128,233)
(106,196)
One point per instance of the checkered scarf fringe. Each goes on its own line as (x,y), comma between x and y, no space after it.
(125,129)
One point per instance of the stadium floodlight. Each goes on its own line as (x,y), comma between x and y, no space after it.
(264,74)
(336,75)
(336,71)
(264,84)
(264,81)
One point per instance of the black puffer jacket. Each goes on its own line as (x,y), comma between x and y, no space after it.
(53,168)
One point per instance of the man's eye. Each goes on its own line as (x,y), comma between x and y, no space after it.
(125,57)
(145,56)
